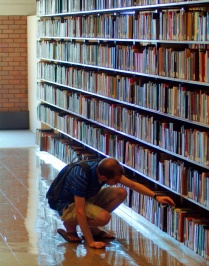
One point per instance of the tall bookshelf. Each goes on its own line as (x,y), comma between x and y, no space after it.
(129,79)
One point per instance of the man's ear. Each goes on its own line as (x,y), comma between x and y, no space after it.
(103,178)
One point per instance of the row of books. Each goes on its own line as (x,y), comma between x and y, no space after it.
(65,149)
(104,26)
(184,180)
(183,63)
(188,142)
(192,105)
(184,25)
(172,173)
(85,132)
(184,224)
(120,118)
(178,25)
(175,138)
(63,6)
(190,227)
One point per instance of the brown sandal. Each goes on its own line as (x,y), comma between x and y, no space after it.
(102,235)
(67,235)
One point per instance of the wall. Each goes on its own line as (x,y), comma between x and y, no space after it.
(18,7)
(32,74)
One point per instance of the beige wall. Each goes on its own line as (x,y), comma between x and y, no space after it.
(17,7)
(32,66)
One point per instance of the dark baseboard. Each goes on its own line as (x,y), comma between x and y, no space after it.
(14,120)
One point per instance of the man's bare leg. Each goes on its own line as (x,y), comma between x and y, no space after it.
(118,196)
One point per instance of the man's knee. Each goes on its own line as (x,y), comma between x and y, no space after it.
(121,193)
(103,218)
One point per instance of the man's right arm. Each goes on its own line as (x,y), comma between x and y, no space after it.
(83,223)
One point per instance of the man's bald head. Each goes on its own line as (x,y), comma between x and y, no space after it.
(110,168)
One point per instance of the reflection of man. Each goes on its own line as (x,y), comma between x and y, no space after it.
(90,206)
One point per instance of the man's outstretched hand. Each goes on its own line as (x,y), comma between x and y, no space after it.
(165,200)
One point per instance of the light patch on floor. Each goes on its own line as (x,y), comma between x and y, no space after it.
(17,139)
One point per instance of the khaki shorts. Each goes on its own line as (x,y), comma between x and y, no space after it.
(93,207)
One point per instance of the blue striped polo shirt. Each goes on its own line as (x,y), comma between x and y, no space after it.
(77,184)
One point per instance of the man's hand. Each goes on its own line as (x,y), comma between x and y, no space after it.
(138,187)
(165,200)
(97,245)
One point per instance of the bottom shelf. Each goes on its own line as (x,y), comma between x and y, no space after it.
(164,241)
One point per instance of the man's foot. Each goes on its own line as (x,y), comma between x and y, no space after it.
(100,234)
(69,236)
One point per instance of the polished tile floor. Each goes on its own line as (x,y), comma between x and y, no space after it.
(28,227)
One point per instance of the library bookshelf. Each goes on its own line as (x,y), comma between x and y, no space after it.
(129,79)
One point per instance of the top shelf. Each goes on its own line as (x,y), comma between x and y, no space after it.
(51,12)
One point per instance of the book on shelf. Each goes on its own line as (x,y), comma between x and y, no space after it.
(180,220)
(41,138)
